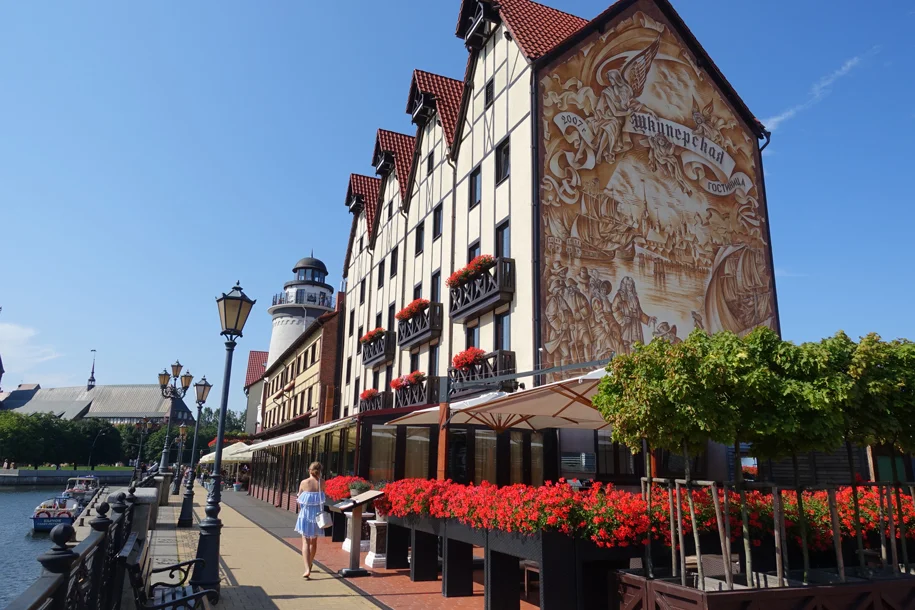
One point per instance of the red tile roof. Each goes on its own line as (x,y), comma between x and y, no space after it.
(447,92)
(366,187)
(402,146)
(535,27)
(256,362)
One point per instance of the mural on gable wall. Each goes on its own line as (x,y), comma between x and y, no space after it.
(653,223)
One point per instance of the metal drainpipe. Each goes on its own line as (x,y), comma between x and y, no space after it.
(536,224)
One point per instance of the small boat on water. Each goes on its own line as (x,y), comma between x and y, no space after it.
(81,488)
(55,511)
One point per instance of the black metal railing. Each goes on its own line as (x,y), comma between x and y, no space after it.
(485,292)
(421,328)
(318,300)
(424,393)
(380,351)
(377,403)
(87,575)
(493,364)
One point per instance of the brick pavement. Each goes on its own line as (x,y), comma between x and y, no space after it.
(257,570)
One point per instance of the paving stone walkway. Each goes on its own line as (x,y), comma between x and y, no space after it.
(257,570)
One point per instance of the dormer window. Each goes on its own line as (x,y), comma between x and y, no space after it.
(423,107)
(384,162)
(476,34)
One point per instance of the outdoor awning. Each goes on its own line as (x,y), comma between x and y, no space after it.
(302,434)
(561,404)
(237,452)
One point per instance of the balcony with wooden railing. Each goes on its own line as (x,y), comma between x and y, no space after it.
(493,364)
(421,328)
(418,394)
(485,292)
(380,402)
(380,351)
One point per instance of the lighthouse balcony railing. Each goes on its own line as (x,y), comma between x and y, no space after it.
(317,300)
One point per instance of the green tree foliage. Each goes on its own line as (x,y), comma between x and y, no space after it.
(44,439)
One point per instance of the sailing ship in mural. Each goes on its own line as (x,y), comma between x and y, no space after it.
(653,223)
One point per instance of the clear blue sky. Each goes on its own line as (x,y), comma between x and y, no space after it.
(153,153)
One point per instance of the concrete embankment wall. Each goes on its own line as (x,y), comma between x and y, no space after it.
(13,478)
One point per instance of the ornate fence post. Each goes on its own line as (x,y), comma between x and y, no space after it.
(119,508)
(59,560)
(131,505)
(101,560)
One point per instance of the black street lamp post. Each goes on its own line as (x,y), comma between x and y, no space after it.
(172,392)
(186,519)
(91,451)
(234,309)
(182,436)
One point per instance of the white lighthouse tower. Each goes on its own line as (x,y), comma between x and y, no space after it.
(302,301)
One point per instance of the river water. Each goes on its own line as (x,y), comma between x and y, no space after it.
(19,547)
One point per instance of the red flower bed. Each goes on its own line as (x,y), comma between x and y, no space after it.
(615,518)
(337,488)
(416,307)
(474,268)
(466,359)
(372,335)
(404,381)
(368,394)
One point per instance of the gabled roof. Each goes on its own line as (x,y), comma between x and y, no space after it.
(256,362)
(366,187)
(105,401)
(402,146)
(704,60)
(447,93)
(535,27)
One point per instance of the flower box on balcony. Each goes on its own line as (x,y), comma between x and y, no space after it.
(482,292)
(380,350)
(379,402)
(493,364)
(417,394)
(422,327)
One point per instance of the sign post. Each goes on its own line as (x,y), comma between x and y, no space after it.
(355,506)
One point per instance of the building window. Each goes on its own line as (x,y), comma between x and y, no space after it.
(349,370)
(503,331)
(433,361)
(420,237)
(381,461)
(361,244)
(308,407)
(376,379)
(392,311)
(437,222)
(489,93)
(473,251)
(389,374)
(390,209)
(314,352)
(435,291)
(476,188)
(503,240)
(417,454)
(414,362)
(503,161)
(484,456)
(359,343)
(394,261)
(381,274)
(356,392)
(472,336)
(430,164)
(362,291)
(352,321)
(378,320)
(418,291)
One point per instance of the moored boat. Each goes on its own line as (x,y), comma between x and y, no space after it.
(55,511)
(81,488)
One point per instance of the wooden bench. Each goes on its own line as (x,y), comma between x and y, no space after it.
(137,563)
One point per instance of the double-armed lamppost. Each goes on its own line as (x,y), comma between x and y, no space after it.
(234,309)
(172,392)
(182,436)
(186,519)
(143,426)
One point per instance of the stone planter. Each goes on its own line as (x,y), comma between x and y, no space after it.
(365,534)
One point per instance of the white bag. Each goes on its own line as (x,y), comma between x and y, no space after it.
(324,520)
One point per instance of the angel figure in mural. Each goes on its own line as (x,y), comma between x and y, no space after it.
(663,154)
(628,312)
(617,101)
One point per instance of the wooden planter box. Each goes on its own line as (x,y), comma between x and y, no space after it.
(380,351)
(483,293)
(421,328)
(425,393)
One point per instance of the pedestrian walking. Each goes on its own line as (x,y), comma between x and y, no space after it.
(311,503)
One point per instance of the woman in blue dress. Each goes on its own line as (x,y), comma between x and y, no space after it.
(311,503)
